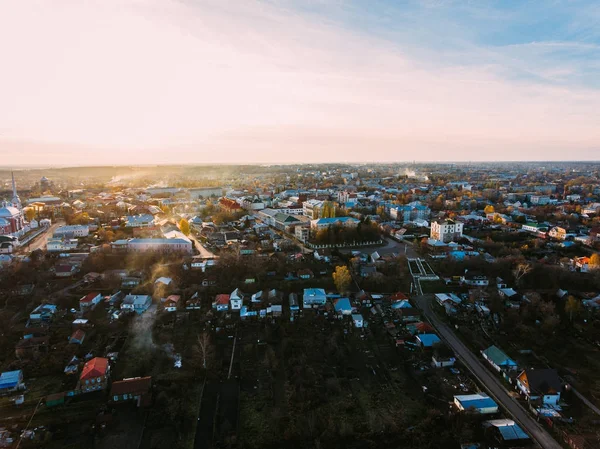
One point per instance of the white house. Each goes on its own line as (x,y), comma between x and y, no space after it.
(236,299)
(446,231)
(358,320)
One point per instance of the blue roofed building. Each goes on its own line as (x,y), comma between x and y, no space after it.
(477,403)
(498,359)
(11,381)
(324,223)
(42,313)
(505,433)
(139,221)
(428,340)
(314,297)
(343,306)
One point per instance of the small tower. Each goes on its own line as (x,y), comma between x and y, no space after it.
(16,201)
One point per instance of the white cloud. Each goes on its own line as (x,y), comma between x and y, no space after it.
(253,81)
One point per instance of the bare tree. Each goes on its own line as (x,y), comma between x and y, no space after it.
(521,270)
(202,347)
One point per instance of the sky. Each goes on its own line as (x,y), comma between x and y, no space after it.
(242,81)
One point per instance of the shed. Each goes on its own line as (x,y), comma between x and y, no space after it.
(55,399)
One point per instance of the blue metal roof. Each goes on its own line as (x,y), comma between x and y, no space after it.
(476,401)
(342,304)
(513,432)
(10,379)
(428,340)
(336,220)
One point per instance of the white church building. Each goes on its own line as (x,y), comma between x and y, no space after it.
(12,219)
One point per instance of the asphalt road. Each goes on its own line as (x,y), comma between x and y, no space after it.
(201,248)
(40,241)
(492,384)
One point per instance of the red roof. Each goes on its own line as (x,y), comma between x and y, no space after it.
(229,204)
(398,297)
(78,335)
(89,297)
(424,327)
(173,298)
(94,368)
(222,299)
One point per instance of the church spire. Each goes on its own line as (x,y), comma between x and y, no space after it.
(16,201)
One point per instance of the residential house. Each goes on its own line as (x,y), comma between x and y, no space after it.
(139,221)
(498,359)
(314,297)
(535,228)
(558,232)
(409,314)
(367,270)
(136,389)
(293,302)
(221,303)
(89,301)
(442,356)
(446,230)
(540,385)
(77,337)
(444,299)
(42,313)
(11,381)
(342,306)
(171,303)
(65,270)
(358,320)
(505,433)
(476,403)
(193,303)
(236,299)
(472,279)
(136,303)
(305,273)
(130,282)
(427,341)
(94,375)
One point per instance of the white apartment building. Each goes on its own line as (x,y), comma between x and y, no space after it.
(446,231)
(72,230)
(176,245)
(309,206)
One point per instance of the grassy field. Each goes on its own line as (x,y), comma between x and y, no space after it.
(313,385)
